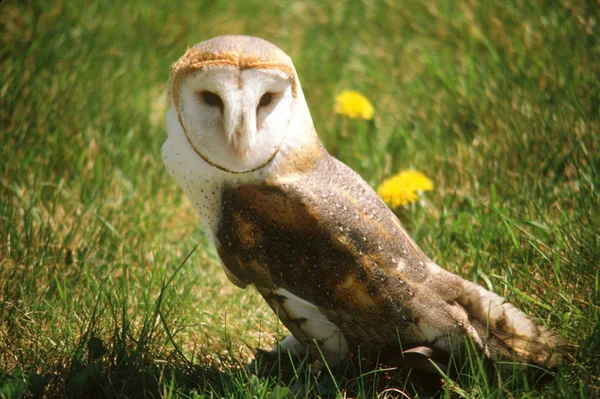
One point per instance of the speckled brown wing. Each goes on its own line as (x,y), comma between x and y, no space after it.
(326,237)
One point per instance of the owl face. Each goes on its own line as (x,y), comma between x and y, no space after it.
(235,115)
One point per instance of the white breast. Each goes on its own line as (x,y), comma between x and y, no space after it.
(200,181)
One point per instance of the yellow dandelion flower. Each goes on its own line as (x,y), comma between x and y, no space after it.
(404,188)
(353,105)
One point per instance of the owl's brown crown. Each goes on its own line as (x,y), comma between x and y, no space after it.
(243,52)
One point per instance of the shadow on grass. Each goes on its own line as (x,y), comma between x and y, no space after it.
(146,362)
(131,367)
(135,374)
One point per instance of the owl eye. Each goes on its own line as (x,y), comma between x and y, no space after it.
(212,99)
(265,100)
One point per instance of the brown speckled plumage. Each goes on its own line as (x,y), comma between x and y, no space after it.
(329,239)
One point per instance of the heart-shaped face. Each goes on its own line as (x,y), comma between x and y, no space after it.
(234,98)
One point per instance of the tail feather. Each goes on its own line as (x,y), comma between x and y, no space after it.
(505,331)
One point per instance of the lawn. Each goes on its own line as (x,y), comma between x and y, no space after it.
(110,288)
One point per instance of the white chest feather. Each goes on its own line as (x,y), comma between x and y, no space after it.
(200,181)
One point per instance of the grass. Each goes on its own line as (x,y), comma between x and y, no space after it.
(109,287)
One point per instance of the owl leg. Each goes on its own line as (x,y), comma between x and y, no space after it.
(289,345)
(278,359)
(292,346)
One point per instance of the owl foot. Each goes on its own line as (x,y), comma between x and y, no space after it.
(289,345)
(316,368)
(279,360)
(426,359)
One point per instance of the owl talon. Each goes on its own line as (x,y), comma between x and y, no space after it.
(426,359)
(289,345)
(316,368)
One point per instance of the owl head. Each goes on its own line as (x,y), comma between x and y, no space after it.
(236,98)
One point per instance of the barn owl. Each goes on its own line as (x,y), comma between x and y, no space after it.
(309,233)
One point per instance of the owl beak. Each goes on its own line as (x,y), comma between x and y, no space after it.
(240,144)
(242,136)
